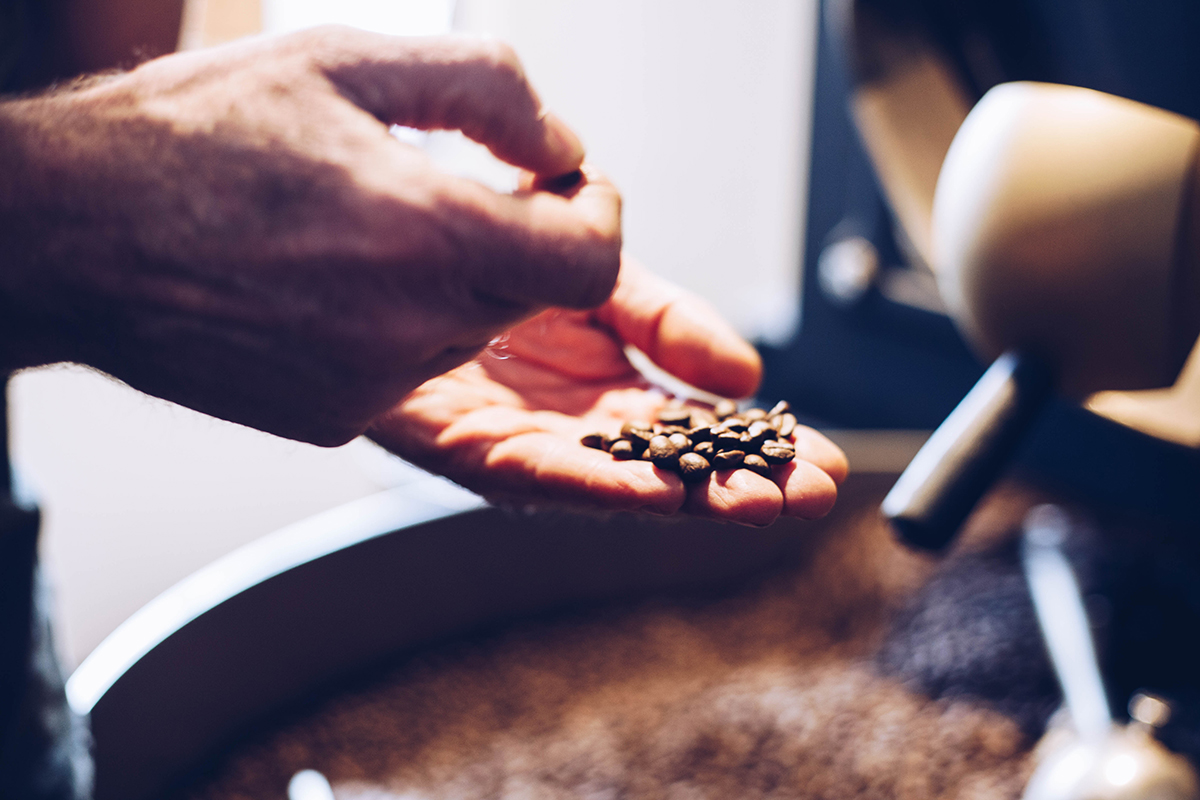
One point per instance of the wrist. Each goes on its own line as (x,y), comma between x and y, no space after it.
(52,250)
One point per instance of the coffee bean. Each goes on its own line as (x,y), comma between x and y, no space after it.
(756,464)
(668,430)
(778,452)
(637,430)
(663,453)
(725,408)
(728,459)
(623,449)
(694,467)
(787,425)
(727,441)
(702,417)
(594,441)
(676,416)
(761,431)
(701,433)
(681,441)
(705,449)
(753,414)
(782,407)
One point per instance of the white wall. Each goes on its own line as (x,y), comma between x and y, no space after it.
(700,111)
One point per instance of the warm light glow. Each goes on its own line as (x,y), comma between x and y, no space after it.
(1121,769)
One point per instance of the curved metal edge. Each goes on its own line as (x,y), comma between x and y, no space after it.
(421,501)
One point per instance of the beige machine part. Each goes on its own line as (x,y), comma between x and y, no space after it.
(212,22)
(1057,227)
(907,118)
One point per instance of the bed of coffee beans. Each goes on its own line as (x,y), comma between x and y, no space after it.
(695,440)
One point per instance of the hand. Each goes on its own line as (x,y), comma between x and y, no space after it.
(508,423)
(234,229)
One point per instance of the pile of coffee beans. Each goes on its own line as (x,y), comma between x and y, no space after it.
(695,440)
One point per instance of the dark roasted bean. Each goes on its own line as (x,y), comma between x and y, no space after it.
(681,441)
(623,449)
(676,416)
(694,467)
(594,441)
(761,431)
(787,425)
(751,443)
(756,464)
(702,417)
(668,430)
(735,424)
(725,408)
(782,407)
(727,441)
(701,433)
(663,453)
(637,430)
(728,459)
(753,414)
(777,452)
(705,449)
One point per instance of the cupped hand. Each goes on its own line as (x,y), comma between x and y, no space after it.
(508,423)
(235,229)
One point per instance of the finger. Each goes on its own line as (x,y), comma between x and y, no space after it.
(819,451)
(538,248)
(736,496)
(477,86)
(681,333)
(808,491)
(542,464)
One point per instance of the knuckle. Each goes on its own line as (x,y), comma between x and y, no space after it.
(501,60)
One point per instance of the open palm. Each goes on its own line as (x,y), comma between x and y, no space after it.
(507,424)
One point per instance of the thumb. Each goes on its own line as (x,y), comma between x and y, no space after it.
(680,332)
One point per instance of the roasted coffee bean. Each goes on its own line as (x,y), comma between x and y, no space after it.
(637,430)
(753,414)
(669,430)
(676,416)
(681,441)
(664,454)
(701,433)
(705,449)
(782,407)
(735,424)
(623,449)
(777,452)
(702,417)
(761,431)
(727,441)
(756,464)
(728,459)
(787,425)
(725,408)
(694,467)
(594,441)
